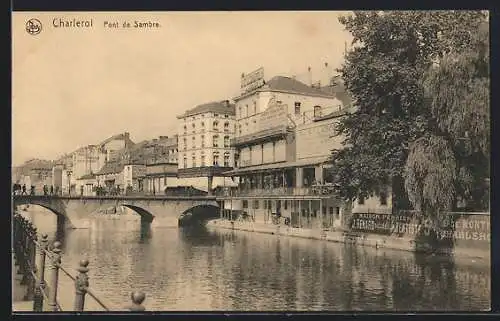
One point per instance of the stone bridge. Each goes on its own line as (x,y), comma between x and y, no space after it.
(160,211)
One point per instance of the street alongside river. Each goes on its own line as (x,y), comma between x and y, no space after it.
(182,269)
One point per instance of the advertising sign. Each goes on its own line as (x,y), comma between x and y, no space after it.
(253,80)
(275,115)
(454,226)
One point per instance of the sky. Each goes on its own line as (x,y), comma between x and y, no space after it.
(77,86)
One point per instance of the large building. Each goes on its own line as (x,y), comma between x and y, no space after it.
(157,150)
(284,137)
(204,137)
(91,159)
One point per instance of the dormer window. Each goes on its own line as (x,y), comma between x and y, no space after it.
(317,111)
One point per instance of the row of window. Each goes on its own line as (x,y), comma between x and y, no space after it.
(215,141)
(267,205)
(261,148)
(215,125)
(297,106)
(215,162)
(203,116)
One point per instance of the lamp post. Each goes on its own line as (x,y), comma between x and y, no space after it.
(69,182)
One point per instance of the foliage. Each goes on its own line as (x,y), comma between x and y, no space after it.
(430,173)
(406,106)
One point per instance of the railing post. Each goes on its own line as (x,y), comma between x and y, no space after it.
(81,285)
(54,275)
(40,285)
(20,246)
(31,255)
(25,253)
(137,299)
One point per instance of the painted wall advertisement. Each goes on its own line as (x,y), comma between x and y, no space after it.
(274,116)
(454,226)
(253,80)
(317,139)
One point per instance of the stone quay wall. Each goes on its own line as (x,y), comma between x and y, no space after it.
(462,235)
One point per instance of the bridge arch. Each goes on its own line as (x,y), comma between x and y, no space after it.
(199,213)
(56,208)
(146,216)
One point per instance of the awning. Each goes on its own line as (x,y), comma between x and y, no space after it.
(227,182)
(267,167)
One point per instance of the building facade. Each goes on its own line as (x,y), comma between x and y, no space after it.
(204,137)
(86,160)
(133,177)
(159,176)
(284,137)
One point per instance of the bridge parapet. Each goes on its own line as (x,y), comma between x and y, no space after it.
(74,211)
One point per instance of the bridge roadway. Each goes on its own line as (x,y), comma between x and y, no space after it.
(160,211)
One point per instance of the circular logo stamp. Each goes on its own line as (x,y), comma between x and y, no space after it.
(33,26)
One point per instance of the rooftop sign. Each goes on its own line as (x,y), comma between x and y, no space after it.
(253,80)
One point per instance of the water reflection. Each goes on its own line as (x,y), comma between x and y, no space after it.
(197,269)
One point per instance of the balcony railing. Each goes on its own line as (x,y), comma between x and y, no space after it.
(317,190)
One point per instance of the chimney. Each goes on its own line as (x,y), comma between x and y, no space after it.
(309,73)
(126,134)
(226,103)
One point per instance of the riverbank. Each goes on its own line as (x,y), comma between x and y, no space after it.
(341,236)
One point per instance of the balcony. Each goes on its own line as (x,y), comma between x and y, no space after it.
(315,190)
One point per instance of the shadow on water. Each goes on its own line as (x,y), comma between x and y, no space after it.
(145,232)
(199,236)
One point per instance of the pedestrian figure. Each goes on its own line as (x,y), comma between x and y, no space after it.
(45,190)
(51,189)
(81,190)
(32,190)
(24,190)
(57,190)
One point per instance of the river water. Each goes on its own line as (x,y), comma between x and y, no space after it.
(207,270)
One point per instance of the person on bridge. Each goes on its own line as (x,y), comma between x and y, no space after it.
(45,190)
(51,189)
(24,190)
(32,190)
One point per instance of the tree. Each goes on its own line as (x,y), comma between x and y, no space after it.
(453,160)
(385,73)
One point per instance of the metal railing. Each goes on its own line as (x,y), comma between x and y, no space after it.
(31,256)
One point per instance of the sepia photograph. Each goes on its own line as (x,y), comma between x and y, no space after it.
(250,161)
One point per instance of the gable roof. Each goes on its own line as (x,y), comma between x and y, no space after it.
(222,107)
(122,136)
(289,85)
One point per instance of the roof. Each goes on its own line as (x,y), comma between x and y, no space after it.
(87,176)
(222,107)
(290,85)
(338,89)
(111,168)
(266,167)
(122,136)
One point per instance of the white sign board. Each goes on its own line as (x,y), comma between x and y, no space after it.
(253,80)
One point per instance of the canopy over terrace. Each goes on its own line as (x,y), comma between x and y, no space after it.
(300,173)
